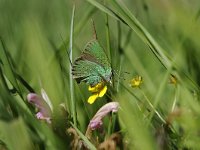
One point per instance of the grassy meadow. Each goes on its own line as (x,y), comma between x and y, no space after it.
(153,48)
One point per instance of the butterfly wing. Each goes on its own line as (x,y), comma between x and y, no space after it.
(94,49)
(87,71)
(92,66)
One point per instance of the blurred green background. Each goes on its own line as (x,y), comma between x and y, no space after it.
(151,38)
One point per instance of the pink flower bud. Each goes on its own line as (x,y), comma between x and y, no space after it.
(44,111)
(96,121)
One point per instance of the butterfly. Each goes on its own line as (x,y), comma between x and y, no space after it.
(92,67)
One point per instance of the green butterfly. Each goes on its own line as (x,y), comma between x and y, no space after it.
(92,67)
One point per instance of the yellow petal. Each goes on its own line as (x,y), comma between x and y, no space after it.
(103,91)
(91,88)
(173,79)
(136,82)
(96,88)
(92,98)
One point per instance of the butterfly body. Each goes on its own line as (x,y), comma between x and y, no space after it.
(92,67)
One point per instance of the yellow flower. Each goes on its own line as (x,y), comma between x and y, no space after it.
(136,82)
(97,91)
(173,79)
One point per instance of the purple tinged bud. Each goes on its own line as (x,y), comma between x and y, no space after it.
(96,121)
(95,124)
(44,111)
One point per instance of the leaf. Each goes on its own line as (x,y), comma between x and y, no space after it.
(7,67)
(15,135)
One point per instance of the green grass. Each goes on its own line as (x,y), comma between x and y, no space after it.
(153,39)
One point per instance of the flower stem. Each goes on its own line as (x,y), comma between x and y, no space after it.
(111,124)
(175,98)
(151,105)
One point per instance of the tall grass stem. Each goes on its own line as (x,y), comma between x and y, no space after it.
(73,104)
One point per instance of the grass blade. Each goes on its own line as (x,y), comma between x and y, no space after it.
(16,129)
(73,105)
(87,142)
(7,68)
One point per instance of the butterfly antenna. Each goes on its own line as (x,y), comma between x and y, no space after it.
(120,77)
(94,30)
(70,61)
